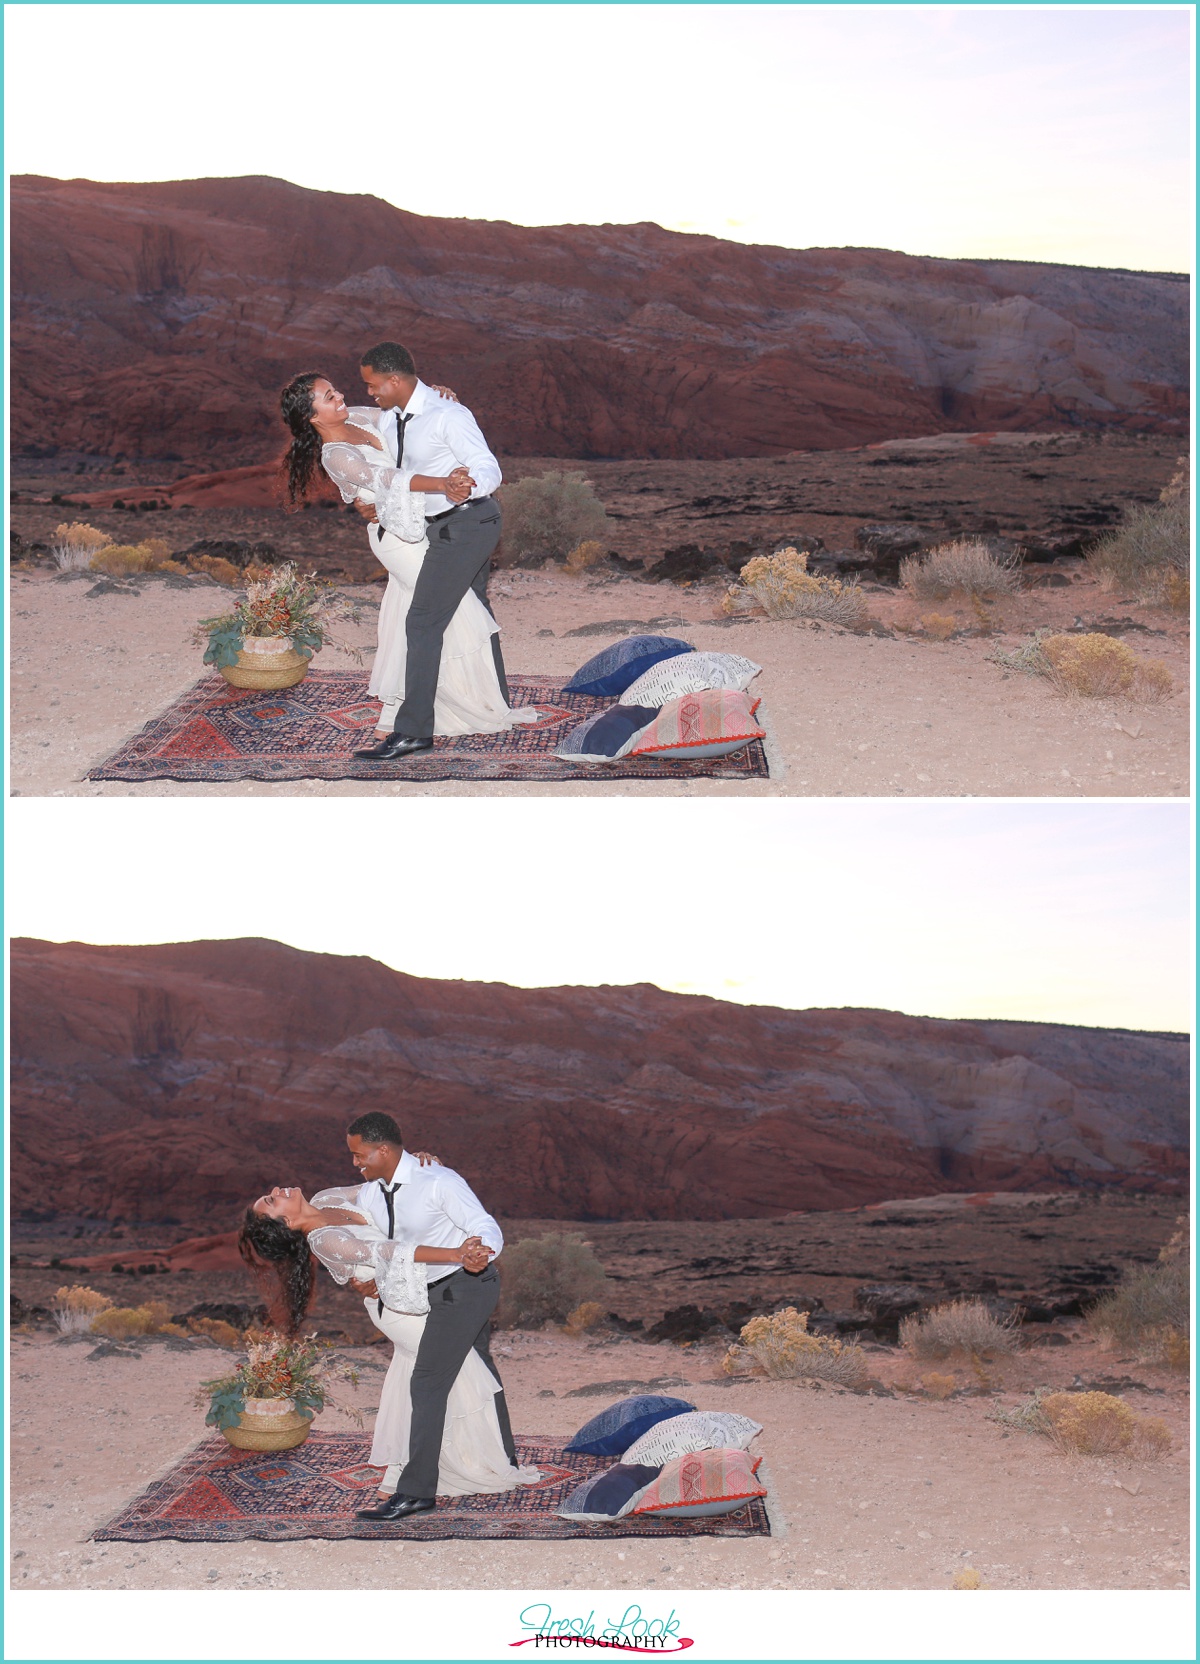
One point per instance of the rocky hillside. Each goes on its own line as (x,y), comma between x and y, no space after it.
(159,320)
(175,1082)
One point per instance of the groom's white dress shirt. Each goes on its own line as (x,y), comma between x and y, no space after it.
(440,437)
(434,1205)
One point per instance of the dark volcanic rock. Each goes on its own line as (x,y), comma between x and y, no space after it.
(185,1079)
(194,301)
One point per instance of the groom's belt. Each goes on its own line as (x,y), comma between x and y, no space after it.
(471,502)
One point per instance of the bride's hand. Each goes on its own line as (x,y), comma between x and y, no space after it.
(475,1257)
(426,1160)
(367,510)
(446,393)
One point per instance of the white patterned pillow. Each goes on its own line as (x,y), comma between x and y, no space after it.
(690,673)
(698,1430)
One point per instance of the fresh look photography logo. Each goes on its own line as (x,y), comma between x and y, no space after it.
(634,1631)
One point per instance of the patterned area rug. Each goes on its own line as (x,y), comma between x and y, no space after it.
(221,1495)
(215,733)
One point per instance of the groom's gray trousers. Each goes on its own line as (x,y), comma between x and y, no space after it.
(461,545)
(460,1310)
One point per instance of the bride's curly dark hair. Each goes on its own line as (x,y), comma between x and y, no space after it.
(304,454)
(282,1263)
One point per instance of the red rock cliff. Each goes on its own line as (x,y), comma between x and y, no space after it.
(163,318)
(151,1082)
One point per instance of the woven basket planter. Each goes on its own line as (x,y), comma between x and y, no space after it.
(268,1424)
(267,663)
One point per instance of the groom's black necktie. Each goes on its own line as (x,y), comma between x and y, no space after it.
(389,1193)
(401,423)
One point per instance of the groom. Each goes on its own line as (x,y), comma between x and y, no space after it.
(430,435)
(433,1205)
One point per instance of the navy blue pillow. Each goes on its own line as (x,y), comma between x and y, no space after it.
(613,1431)
(615,668)
(608,1495)
(606,736)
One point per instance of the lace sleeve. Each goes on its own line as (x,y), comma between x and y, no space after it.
(344,1255)
(402,1284)
(399,510)
(350,471)
(341,1196)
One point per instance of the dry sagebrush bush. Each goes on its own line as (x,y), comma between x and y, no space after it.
(941,626)
(583,555)
(585,1316)
(1097,1424)
(74,545)
(126,1322)
(1088,1424)
(542,1278)
(1149,1312)
(1150,553)
(959,1326)
(783,587)
(939,1386)
(224,571)
(215,1329)
(965,567)
(782,1348)
(1097,667)
(76,1309)
(968,1578)
(546,517)
(121,559)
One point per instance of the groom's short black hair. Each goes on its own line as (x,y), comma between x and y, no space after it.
(389,358)
(376,1128)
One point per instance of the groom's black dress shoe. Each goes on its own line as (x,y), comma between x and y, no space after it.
(396,745)
(397,1508)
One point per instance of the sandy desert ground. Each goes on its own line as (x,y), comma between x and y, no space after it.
(882,1489)
(885,1489)
(887,712)
(846,714)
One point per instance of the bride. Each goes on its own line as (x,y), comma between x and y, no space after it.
(347,443)
(281,1232)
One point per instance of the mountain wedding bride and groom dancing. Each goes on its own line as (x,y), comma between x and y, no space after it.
(418,469)
(414,1240)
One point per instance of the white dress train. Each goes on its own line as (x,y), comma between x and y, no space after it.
(468,698)
(472,1458)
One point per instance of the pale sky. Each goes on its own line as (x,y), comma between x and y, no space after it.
(1056,134)
(1058,912)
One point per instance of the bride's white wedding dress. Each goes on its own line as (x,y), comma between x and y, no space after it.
(473,1457)
(468,700)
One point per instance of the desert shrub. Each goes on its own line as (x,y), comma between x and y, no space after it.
(964,567)
(213,1328)
(939,1386)
(172,1329)
(959,1326)
(216,566)
(1090,666)
(1097,667)
(74,545)
(1150,553)
(76,1309)
(781,1346)
(1149,1311)
(121,559)
(1088,1424)
(940,625)
(126,1322)
(583,555)
(585,1316)
(547,517)
(783,587)
(968,1578)
(544,1277)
